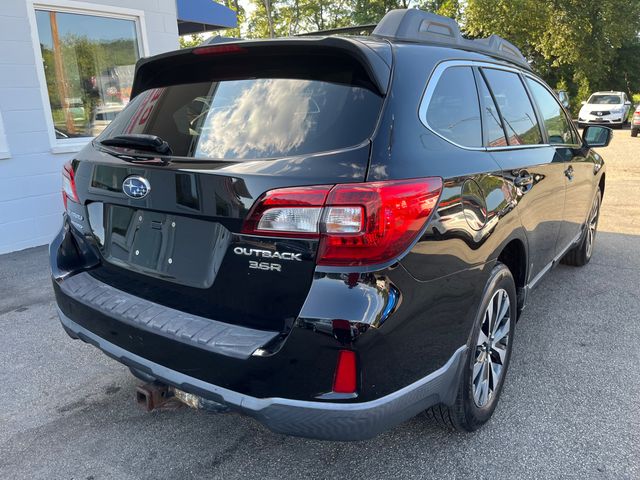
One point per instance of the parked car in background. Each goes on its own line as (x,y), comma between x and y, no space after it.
(605,108)
(563,96)
(635,122)
(102,116)
(331,234)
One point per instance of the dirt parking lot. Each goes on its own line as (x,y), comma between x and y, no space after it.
(570,409)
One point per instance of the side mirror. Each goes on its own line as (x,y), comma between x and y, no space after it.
(627,103)
(583,103)
(596,136)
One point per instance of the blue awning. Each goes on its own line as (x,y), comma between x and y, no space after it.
(195,16)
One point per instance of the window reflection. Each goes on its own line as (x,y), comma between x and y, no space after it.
(89,64)
(253,118)
(266,116)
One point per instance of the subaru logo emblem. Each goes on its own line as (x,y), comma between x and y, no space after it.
(136,187)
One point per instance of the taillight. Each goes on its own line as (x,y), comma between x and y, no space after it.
(393,214)
(357,223)
(69,191)
(290,212)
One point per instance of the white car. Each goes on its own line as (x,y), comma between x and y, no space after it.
(101,117)
(605,108)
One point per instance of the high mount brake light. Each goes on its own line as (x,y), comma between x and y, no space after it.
(357,223)
(219,50)
(69,191)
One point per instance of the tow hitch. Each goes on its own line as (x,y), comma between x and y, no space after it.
(158,396)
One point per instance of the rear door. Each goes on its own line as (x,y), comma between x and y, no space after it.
(169,228)
(578,170)
(532,169)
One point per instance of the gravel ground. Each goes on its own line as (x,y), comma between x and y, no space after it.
(570,408)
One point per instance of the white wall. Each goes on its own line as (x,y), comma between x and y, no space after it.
(30,179)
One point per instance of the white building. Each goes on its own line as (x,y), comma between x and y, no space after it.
(65,70)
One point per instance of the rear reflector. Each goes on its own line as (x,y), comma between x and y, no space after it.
(344,380)
(357,223)
(69,191)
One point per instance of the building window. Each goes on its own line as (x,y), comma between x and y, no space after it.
(89,62)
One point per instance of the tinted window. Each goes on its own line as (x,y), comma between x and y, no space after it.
(491,122)
(453,110)
(253,118)
(554,118)
(516,109)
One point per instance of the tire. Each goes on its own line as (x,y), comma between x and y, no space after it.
(581,254)
(472,408)
(634,132)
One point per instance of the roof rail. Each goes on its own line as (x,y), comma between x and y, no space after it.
(413,25)
(356,30)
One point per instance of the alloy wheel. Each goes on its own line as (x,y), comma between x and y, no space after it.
(592,225)
(491,348)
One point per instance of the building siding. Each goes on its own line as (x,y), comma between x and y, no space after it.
(30,180)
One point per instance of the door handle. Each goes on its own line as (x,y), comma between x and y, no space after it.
(523,181)
(569,172)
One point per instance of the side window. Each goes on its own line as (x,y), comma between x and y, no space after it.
(453,110)
(490,118)
(516,109)
(554,118)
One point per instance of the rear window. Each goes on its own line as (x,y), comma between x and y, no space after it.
(605,100)
(253,118)
(453,111)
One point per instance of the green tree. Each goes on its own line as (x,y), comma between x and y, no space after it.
(188,41)
(585,44)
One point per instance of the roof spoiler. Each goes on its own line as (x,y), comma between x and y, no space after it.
(169,68)
(413,25)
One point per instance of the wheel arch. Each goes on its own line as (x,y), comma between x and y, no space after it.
(601,184)
(514,256)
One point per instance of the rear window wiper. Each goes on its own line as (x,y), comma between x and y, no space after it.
(139,141)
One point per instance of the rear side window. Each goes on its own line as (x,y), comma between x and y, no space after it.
(494,133)
(553,116)
(254,118)
(516,109)
(453,110)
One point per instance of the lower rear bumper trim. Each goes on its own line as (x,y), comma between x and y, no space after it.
(321,420)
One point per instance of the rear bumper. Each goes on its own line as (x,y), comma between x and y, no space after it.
(321,420)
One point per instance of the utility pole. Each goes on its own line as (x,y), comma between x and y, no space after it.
(61,79)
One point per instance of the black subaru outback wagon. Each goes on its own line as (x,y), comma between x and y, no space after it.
(330,234)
